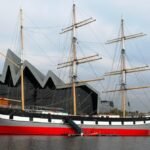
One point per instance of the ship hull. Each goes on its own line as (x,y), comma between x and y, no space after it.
(66,131)
(57,125)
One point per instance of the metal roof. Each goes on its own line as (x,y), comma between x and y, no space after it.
(41,78)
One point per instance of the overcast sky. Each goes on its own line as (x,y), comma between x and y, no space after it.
(44,19)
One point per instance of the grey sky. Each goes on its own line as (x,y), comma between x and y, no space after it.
(52,15)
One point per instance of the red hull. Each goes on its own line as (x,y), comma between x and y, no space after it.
(16,130)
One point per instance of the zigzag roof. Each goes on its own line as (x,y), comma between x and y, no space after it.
(15,71)
(41,79)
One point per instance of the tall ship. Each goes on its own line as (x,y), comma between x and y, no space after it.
(36,120)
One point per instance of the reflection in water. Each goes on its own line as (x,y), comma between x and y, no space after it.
(73,143)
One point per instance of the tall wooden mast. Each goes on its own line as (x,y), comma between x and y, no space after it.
(22,60)
(123,69)
(74,66)
(75,61)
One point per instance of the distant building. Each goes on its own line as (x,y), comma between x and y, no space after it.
(105,106)
(41,90)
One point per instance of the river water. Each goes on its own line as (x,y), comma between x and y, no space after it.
(73,143)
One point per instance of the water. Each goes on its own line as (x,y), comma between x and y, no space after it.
(73,143)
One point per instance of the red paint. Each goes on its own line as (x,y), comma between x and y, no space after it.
(18,130)
(118,132)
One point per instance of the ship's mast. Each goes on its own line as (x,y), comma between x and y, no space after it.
(123,69)
(75,61)
(74,66)
(22,60)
